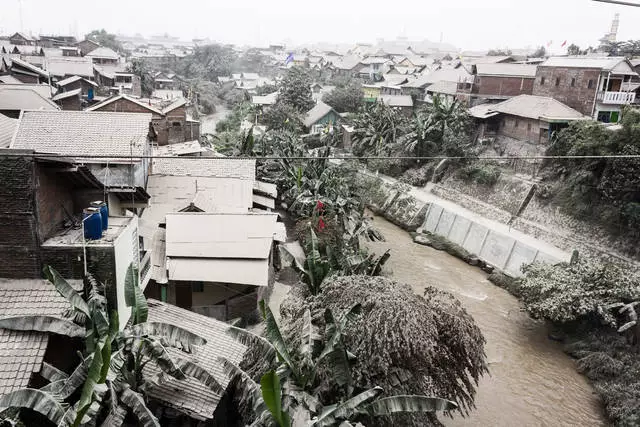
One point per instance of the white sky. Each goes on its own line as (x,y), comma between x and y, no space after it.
(467,24)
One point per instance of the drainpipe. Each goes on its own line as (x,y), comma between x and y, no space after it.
(595,98)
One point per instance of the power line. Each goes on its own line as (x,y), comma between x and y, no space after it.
(623,3)
(77,157)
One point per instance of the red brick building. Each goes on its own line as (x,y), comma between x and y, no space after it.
(498,82)
(594,86)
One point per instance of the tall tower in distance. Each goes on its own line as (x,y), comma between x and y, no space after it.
(612,35)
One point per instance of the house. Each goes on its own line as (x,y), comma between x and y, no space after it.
(167,94)
(346,65)
(417,88)
(42,223)
(22,39)
(70,100)
(527,117)
(14,99)
(25,354)
(372,68)
(72,51)
(87,87)
(164,81)
(7,129)
(443,89)
(265,100)
(87,46)
(321,117)
(51,41)
(116,80)
(371,92)
(217,194)
(497,82)
(22,70)
(402,103)
(119,142)
(169,122)
(595,86)
(103,56)
(61,68)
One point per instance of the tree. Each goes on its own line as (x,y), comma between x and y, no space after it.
(346,97)
(613,48)
(499,52)
(441,128)
(296,389)
(208,62)
(377,128)
(103,38)
(110,380)
(540,52)
(282,116)
(430,345)
(574,50)
(138,66)
(295,90)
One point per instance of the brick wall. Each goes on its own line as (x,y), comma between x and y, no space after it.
(522,128)
(503,86)
(68,262)
(558,85)
(18,226)
(70,104)
(176,125)
(53,195)
(126,106)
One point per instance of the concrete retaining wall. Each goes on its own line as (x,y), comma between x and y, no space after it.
(504,252)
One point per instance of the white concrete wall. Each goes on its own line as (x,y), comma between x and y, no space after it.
(126,252)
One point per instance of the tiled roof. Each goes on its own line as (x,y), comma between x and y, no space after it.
(507,70)
(41,89)
(537,107)
(17,98)
(69,80)
(128,98)
(74,133)
(447,88)
(21,353)
(7,129)
(607,63)
(103,52)
(217,167)
(70,66)
(69,94)
(191,396)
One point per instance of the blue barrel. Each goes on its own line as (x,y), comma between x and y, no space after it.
(104,212)
(92,223)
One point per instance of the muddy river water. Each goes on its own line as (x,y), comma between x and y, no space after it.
(531,382)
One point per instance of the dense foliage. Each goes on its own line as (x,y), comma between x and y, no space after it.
(103,38)
(139,67)
(345,97)
(600,189)
(208,62)
(377,129)
(295,90)
(403,342)
(282,116)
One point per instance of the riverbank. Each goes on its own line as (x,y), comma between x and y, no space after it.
(532,381)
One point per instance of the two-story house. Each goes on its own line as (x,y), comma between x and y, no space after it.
(597,87)
(497,82)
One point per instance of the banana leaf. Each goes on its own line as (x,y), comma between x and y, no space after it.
(48,324)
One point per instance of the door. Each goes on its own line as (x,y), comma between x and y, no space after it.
(184,295)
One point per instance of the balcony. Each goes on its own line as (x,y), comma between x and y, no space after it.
(616,98)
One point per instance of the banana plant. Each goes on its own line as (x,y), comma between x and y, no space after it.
(111,376)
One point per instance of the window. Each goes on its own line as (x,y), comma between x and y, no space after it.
(528,127)
(175,124)
(197,287)
(590,84)
(516,123)
(557,81)
(573,82)
(542,81)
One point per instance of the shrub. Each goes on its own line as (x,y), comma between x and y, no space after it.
(484,174)
(418,177)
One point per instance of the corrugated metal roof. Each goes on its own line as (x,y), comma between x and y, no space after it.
(507,70)
(7,129)
(70,66)
(447,88)
(205,235)
(43,90)
(269,99)
(103,52)
(190,395)
(159,256)
(68,94)
(74,133)
(10,79)
(607,63)
(483,111)
(265,188)
(254,272)
(537,107)
(128,98)
(397,100)
(18,98)
(179,149)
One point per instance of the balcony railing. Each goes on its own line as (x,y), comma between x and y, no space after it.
(619,98)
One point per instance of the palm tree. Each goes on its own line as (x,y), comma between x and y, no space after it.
(292,390)
(112,376)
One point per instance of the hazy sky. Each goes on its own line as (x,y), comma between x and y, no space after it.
(467,24)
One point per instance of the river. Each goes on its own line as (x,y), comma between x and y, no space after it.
(531,382)
(208,122)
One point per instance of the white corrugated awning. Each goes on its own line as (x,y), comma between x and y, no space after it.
(236,271)
(281,233)
(265,188)
(267,202)
(257,248)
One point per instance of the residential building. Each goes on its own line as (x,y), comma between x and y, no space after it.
(222,268)
(103,56)
(525,118)
(14,99)
(61,68)
(597,87)
(22,39)
(417,88)
(70,100)
(22,70)
(87,46)
(444,89)
(498,81)
(372,68)
(402,103)
(51,41)
(320,118)
(87,87)
(41,223)
(163,80)
(117,140)
(169,122)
